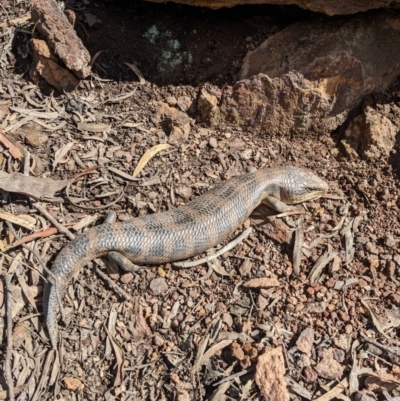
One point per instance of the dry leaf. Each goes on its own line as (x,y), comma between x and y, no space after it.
(138,325)
(213,350)
(148,155)
(137,72)
(85,222)
(15,262)
(55,371)
(200,352)
(2,294)
(216,265)
(262,282)
(60,153)
(298,243)
(26,221)
(13,148)
(17,300)
(119,355)
(26,290)
(35,113)
(374,318)
(72,383)
(122,174)
(36,187)
(91,127)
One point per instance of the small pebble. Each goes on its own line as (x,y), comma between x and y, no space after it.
(390,240)
(126,278)
(213,142)
(158,286)
(371,248)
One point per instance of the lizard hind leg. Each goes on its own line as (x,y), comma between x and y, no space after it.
(115,257)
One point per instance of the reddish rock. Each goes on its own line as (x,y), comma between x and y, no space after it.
(371,135)
(33,135)
(61,37)
(46,66)
(310,374)
(330,369)
(270,375)
(127,278)
(284,105)
(208,108)
(314,73)
(184,192)
(396,299)
(261,282)
(306,340)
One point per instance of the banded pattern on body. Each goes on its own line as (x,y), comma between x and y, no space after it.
(183,232)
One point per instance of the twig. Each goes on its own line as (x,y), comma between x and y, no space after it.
(53,221)
(322,261)
(298,243)
(44,375)
(29,238)
(7,362)
(8,16)
(145,365)
(392,350)
(113,284)
(24,264)
(56,280)
(215,255)
(93,207)
(375,320)
(27,159)
(332,393)
(285,214)
(233,376)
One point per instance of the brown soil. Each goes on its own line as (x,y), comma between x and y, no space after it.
(159,333)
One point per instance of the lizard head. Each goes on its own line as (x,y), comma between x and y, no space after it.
(302,185)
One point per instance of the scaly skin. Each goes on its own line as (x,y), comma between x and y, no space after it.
(183,232)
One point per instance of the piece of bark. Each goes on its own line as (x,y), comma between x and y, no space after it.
(36,187)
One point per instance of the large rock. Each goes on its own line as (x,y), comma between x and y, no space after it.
(286,105)
(370,135)
(329,7)
(308,76)
(349,57)
(60,36)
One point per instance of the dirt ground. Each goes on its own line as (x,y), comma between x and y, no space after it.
(166,333)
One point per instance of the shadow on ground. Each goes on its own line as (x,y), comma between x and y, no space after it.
(177,44)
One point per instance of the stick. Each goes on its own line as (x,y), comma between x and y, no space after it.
(7,363)
(53,221)
(29,238)
(112,283)
(332,393)
(27,159)
(215,255)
